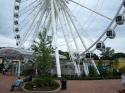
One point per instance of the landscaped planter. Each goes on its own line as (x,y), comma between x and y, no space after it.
(51,91)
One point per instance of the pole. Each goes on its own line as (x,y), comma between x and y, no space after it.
(55,39)
(19,64)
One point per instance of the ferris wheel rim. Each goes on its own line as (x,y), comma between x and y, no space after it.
(101,35)
(108,27)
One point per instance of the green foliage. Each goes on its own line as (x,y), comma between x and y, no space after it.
(42,52)
(96,57)
(29,86)
(107,71)
(107,53)
(92,71)
(42,82)
(118,55)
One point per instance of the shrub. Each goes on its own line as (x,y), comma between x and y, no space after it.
(92,71)
(45,82)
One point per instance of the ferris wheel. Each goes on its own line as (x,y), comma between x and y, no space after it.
(79,26)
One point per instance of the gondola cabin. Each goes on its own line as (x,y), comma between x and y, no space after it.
(16,29)
(89,55)
(17,43)
(100,46)
(110,34)
(16,15)
(120,19)
(17,37)
(17,7)
(16,22)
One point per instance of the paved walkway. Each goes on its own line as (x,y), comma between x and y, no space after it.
(78,86)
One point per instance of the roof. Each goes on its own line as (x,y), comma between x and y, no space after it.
(17,53)
(14,53)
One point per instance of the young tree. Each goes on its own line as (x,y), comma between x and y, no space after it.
(42,52)
(107,53)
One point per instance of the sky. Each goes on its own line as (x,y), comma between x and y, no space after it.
(105,7)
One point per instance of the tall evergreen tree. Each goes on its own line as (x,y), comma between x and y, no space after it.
(42,52)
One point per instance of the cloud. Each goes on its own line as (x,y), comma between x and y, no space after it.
(118,44)
(6,18)
(6,41)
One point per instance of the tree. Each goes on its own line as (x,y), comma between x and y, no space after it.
(107,53)
(96,57)
(92,71)
(118,55)
(42,52)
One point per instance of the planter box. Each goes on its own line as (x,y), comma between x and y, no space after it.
(53,91)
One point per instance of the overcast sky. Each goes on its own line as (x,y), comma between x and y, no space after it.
(108,8)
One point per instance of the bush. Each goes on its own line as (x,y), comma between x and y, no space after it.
(42,82)
(29,86)
(92,71)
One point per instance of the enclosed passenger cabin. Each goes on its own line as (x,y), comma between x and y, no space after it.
(16,29)
(110,34)
(17,43)
(89,55)
(17,37)
(16,22)
(17,7)
(120,19)
(16,15)
(100,46)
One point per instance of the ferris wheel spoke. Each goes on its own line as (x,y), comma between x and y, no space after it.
(73,24)
(31,25)
(29,5)
(75,41)
(83,43)
(91,10)
(70,28)
(68,45)
(29,8)
(23,21)
(35,34)
(91,21)
(40,18)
